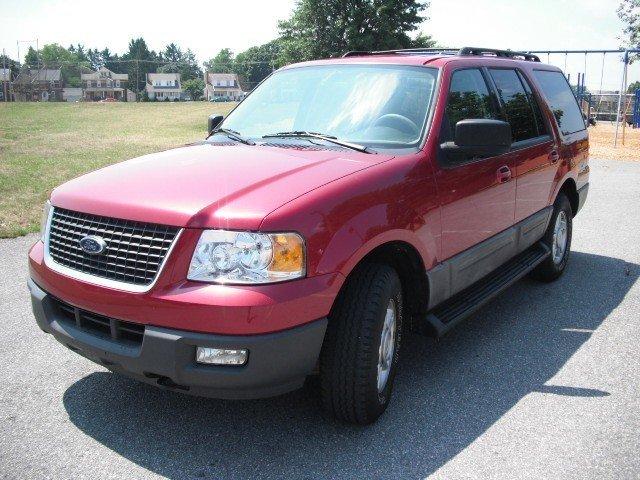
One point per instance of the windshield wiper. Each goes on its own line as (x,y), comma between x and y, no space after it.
(320,136)
(233,135)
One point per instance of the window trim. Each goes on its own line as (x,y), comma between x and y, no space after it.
(527,142)
(382,148)
(441,158)
(562,134)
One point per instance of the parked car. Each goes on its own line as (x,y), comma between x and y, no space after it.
(387,192)
(108,100)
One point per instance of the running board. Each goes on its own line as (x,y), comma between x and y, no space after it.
(463,304)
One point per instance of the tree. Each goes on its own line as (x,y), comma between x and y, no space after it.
(139,61)
(184,63)
(79,52)
(633,87)
(221,63)
(11,64)
(325,28)
(54,56)
(31,59)
(256,63)
(195,87)
(629,13)
(112,62)
(423,41)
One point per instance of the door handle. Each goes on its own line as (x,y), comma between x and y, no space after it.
(554,156)
(503,174)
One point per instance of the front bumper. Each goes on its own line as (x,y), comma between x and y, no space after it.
(278,362)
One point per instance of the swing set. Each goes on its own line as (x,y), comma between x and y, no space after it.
(624,110)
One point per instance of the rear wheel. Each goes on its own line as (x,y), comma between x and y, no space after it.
(359,356)
(558,239)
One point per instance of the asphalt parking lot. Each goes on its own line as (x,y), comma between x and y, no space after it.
(544,382)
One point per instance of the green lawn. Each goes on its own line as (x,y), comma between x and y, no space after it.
(44,144)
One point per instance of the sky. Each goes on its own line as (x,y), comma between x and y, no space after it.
(206,27)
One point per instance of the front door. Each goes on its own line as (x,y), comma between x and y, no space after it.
(477,195)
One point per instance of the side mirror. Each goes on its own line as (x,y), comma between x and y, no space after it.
(478,137)
(213,122)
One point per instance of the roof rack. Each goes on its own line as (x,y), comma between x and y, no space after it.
(492,52)
(465,51)
(407,51)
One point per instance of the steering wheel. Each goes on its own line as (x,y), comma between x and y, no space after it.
(397,122)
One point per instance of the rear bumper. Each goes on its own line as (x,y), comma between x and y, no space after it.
(277,363)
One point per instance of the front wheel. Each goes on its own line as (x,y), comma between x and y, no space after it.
(558,239)
(359,356)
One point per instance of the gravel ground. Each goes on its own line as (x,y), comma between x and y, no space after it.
(541,383)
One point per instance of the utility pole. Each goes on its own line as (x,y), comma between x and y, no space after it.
(4,72)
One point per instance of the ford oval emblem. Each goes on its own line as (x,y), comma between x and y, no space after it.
(93,245)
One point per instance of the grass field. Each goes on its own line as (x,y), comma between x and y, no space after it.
(43,145)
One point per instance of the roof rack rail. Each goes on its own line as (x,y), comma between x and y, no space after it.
(408,51)
(465,51)
(498,53)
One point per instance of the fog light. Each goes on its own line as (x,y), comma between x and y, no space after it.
(221,356)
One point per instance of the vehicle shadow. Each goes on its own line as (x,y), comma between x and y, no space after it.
(448,392)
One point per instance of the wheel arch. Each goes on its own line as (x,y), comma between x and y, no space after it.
(407,261)
(569,188)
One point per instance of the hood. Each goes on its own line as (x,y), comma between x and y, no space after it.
(207,185)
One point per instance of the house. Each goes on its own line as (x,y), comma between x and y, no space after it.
(222,86)
(5,84)
(34,85)
(104,84)
(161,86)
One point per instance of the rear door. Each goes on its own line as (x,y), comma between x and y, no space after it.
(534,149)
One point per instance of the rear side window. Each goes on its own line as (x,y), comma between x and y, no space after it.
(519,112)
(562,103)
(469,97)
(540,123)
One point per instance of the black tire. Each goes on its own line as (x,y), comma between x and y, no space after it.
(349,356)
(551,269)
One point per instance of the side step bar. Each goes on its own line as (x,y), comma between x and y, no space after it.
(463,304)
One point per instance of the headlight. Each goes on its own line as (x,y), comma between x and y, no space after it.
(45,220)
(247,258)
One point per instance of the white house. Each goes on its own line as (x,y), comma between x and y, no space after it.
(164,85)
(222,86)
(103,84)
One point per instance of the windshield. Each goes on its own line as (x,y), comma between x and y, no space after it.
(375,105)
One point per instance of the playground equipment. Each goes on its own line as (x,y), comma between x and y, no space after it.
(627,105)
(636,110)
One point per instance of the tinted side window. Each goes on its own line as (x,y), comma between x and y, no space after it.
(516,104)
(561,101)
(469,97)
(540,123)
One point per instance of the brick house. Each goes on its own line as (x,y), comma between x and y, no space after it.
(38,85)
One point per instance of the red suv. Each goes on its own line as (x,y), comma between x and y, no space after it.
(343,203)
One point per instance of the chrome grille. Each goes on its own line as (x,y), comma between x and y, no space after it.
(134,252)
